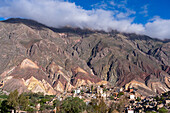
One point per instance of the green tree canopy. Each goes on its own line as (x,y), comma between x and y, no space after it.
(73,105)
(23,102)
(163,110)
(4,107)
(13,99)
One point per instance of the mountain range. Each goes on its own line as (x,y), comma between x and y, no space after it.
(38,58)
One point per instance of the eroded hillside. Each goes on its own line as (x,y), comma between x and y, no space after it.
(39,58)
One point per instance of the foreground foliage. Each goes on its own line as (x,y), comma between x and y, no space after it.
(73,105)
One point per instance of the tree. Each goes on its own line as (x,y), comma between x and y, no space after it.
(56,103)
(157,98)
(92,106)
(97,106)
(138,99)
(73,105)
(5,107)
(13,100)
(42,103)
(111,97)
(16,101)
(163,110)
(120,94)
(23,102)
(82,91)
(120,106)
(104,89)
(92,88)
(102,106)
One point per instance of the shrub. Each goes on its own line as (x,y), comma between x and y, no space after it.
(3,96)
(120,94)
(138,99)
(163,110)
(111,97)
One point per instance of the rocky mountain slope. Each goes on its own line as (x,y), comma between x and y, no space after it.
(43,59)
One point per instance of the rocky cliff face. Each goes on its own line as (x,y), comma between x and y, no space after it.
(48,60)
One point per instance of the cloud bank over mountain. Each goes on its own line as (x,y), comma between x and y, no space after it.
(59,13)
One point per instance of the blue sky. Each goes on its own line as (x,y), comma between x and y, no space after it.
(149,17)
(145,9)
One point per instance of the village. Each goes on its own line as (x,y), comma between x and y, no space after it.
(132,101)
(128,98)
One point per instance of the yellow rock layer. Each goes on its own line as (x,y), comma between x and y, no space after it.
(102,82)
(28,64)
(39,86)
(32,83)
(80,70)
(59,87)
(167,81)
(136,83)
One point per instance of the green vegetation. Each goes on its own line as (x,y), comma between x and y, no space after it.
(111,97)
(97,106)
(120,94)
(73,105)
(13,100)
(5,107)
(57,104)
(24,101)
(82,91)
(163,110)
(104,89)
(3,96)
(138,99)
(92,89)
(33,102)
(157,98)
(29,101)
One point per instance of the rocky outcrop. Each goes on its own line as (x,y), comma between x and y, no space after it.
(28,64)
(29,77)
(140,87)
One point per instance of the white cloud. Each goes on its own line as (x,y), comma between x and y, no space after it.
(159,28)
(112,3)
(57,13)
(145,10)
(125,15)
(100,5)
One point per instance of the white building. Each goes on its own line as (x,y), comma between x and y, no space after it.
(77,91)
(132,96)
(80,97)
(130,111)
(121,89)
